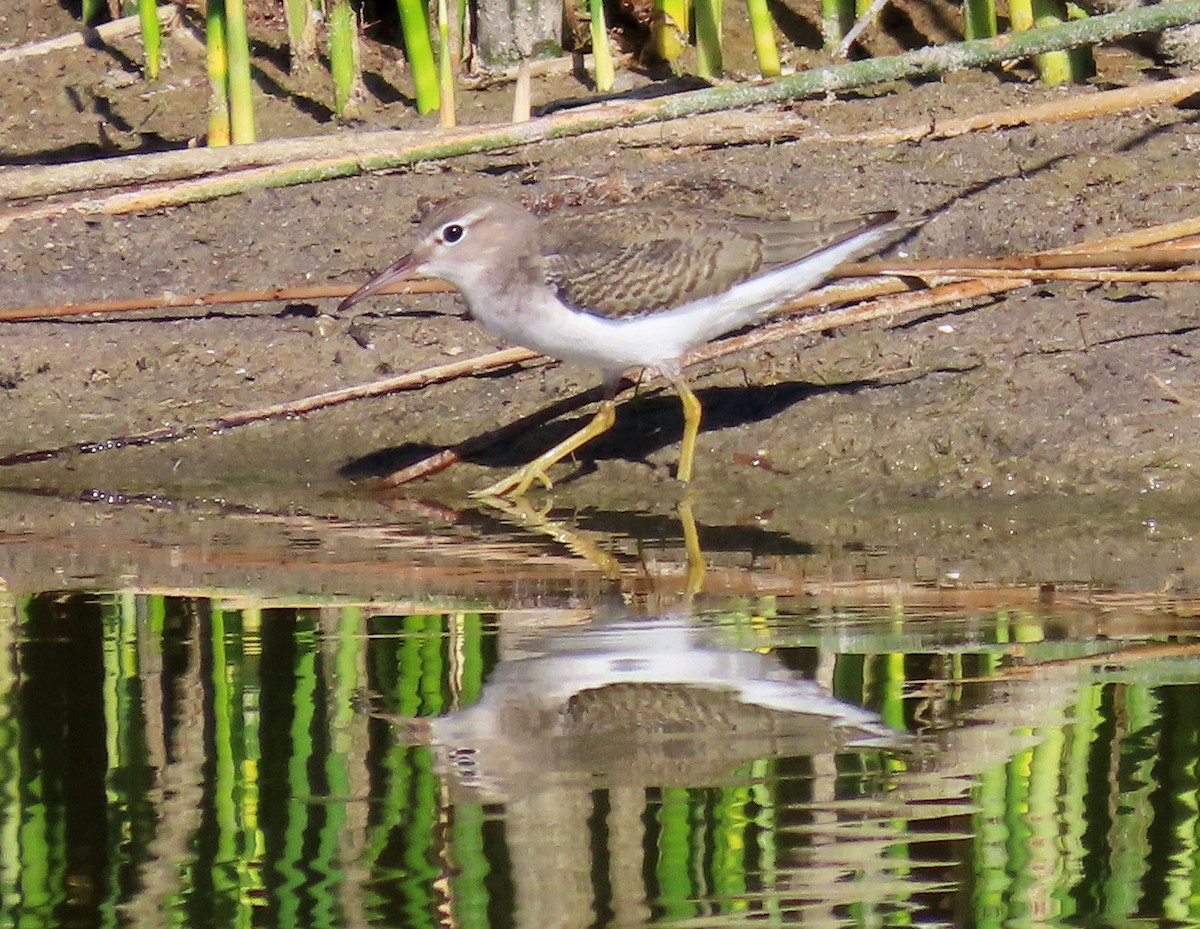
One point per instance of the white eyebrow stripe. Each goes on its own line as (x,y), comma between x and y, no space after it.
(467,218)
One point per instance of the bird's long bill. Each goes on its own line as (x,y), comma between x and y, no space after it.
(404,268)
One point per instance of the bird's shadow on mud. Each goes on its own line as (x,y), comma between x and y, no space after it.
(645,424)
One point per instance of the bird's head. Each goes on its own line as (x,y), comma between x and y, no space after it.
(469,244)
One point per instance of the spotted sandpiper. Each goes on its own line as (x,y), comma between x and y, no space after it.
(620,288)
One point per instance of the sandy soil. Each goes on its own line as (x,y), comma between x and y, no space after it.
(1056,392)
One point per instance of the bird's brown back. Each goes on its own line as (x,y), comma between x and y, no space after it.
(628,260)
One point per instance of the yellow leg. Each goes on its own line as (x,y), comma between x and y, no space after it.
(521,511)
(695,557)
(519,481)
(691,428)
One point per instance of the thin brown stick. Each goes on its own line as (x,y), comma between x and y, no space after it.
(1077,106)
(217,298)
(882,308)
(168,16)
(1171,394)
(285,294)
(412,380)
(122,171)
(1084,275)
(1138,238)
(541,67)
(1090,265)
(1038,261)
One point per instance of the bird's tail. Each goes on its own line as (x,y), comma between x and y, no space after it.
(749,301)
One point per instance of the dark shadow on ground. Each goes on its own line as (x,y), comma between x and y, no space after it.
(644,425)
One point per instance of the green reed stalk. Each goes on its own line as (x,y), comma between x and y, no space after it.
(709,62)
(1020,15)
(678,11)
(219,131)
(151,36)
(606,74)
(669,30)
(1072,65)
(979,19)
(447,114)
(343,57)
(414,20)
(1021,19)
(763,29)
(837,16)
(241,104)
(90,9)
(296,14)
(459,33)
(1083,62)
(302,33)
(1056,67)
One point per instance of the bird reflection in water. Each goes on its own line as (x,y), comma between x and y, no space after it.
(655,702)
(626,759)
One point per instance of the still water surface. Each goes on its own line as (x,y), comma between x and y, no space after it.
(881,755)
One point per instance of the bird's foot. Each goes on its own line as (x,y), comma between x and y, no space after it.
(517,483)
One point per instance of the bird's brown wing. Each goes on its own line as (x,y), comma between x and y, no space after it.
(627,260)
(630,260)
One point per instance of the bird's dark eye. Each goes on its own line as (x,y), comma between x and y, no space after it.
(452,232)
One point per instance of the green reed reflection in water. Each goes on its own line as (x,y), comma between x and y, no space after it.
(179,759)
